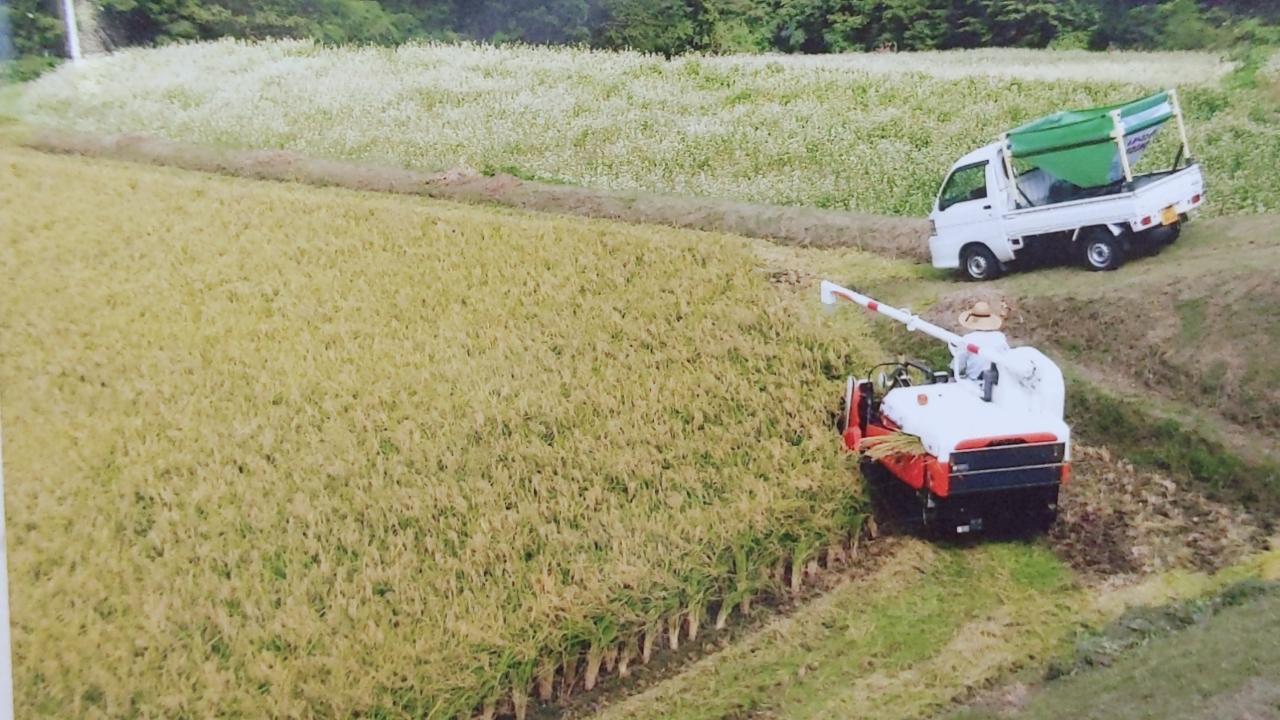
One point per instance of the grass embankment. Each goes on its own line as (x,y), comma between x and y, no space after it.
(871,133)
(278,450)
(1164,443)
(1195,660)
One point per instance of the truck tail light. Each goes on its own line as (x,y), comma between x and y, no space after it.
(1066,473)
(1146,221)
(1195,199)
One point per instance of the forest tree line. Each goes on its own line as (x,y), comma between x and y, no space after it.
(671,26)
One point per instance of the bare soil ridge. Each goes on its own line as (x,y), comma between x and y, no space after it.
(899,237)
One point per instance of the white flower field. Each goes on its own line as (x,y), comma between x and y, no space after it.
(868,132)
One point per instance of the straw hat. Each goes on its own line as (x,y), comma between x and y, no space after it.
(980,317)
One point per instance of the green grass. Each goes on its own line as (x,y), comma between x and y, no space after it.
(27,68)
(1141,624)
(1224,665)
(1167,444)
(1191,313)
(9,96)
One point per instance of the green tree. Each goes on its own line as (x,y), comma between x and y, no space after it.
(675,26)
(553,21)
(803,26)
(336,21)
(35,25)
(736,26)
(655,26)
(1183,26)
(1024,23)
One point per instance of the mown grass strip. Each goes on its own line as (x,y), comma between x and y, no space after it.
(928,625)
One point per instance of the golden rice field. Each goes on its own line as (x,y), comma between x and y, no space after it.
(274,450)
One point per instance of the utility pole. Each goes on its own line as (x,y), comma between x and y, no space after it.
(73,32)
(6,654)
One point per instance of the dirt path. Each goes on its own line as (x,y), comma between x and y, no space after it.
(807,227)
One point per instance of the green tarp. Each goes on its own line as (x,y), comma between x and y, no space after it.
(1079,145)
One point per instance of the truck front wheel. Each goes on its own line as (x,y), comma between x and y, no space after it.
(980,263)
(1103,251)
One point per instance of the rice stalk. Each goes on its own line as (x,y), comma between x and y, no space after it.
(646,645)
(673,631)
(546,678)
(626,653)
(693,619)
(895,444)
(595,657)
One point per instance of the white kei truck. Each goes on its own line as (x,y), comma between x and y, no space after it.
(1063,187)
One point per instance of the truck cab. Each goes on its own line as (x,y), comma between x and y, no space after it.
(968,212)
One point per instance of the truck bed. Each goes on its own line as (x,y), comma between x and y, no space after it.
(1127,204)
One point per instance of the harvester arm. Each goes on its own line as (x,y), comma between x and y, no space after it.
(832,292)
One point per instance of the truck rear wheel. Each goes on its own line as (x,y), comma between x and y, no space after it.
(1165,235)
(1103,251)
(980,263)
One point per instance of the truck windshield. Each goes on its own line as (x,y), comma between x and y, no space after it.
(967,183)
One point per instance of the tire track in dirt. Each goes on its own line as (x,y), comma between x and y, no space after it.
(1117,522)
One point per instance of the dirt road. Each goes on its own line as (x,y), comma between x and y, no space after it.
(805,227)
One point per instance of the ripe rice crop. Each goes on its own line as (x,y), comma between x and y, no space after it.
(274,450)
(895,444)
(867,132)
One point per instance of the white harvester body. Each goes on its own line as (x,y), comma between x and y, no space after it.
(994,442)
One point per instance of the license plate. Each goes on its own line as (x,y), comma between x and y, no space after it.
(1168,216)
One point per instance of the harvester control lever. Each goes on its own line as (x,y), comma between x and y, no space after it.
(990,379)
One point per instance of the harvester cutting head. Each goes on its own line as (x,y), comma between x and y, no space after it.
(995,446)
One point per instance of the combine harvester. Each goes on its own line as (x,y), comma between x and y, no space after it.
(993,450)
